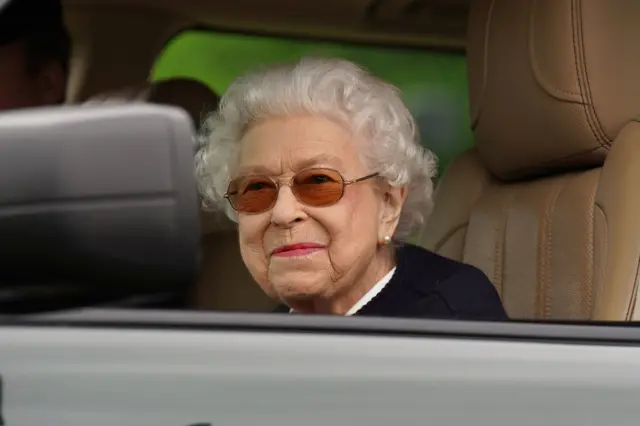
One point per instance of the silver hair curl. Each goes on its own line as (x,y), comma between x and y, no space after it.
(332,88)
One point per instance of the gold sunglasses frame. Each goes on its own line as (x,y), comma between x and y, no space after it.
(279,185)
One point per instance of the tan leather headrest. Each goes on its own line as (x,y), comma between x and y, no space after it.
(193,96)
(552,82)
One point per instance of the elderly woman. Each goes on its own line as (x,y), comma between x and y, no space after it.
(319,163)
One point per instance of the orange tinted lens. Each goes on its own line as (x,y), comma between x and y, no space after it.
(253,194)
(318,187)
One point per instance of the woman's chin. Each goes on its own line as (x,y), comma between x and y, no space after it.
(300,285)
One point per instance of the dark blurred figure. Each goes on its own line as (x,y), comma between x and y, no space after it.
(34,54)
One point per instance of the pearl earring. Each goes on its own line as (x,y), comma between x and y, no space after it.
(386,240)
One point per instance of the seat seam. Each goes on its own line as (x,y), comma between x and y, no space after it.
(588,291)
(604,248)
(634,296)
(545,278)
(501,241)
(537,72)
(593,121)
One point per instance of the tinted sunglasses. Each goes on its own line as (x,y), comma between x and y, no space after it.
(317,187)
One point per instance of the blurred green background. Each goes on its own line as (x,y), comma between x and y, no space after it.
(434,84)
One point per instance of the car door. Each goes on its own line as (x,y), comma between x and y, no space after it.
(106,367)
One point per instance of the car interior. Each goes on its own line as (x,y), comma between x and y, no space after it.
(544,202)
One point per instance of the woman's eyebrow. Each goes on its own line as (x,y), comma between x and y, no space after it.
(318,159)
(255,169)
(303,163)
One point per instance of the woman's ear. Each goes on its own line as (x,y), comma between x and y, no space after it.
(393,200)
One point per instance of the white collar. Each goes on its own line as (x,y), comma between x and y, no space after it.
(368,297)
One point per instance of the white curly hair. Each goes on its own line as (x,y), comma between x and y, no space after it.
(333,88)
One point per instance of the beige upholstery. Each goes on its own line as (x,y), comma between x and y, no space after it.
(548,203)
(225,283)
(191,95)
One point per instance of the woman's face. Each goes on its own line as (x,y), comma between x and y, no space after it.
(347,235)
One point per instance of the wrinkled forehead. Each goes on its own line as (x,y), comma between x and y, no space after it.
(280,146)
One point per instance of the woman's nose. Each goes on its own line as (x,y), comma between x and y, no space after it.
(287,209)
